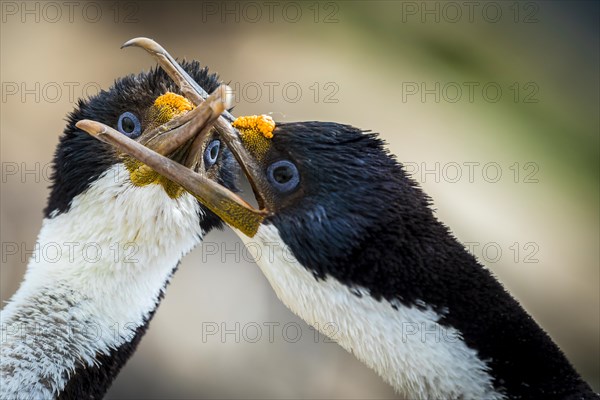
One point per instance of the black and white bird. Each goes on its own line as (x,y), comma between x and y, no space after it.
(117,231)
(360,255)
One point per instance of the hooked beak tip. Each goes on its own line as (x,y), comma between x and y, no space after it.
(145,43)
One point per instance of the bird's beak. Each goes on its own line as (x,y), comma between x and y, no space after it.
(191,129)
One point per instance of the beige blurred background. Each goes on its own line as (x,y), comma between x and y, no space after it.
(363,63)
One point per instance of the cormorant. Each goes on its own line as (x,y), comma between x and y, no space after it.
(117,231)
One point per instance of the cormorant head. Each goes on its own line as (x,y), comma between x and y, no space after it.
(328,188)
(139,106)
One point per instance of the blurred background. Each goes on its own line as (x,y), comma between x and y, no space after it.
(493,106)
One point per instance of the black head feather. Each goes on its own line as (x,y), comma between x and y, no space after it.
(81,159)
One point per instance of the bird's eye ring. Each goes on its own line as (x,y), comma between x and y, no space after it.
(129,125)
(283,175)
(211,153)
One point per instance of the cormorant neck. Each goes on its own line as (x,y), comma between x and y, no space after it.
(92,285)
(410,302)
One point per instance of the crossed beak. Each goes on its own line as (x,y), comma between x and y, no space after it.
(189,133)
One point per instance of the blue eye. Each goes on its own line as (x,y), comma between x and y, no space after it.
(129,125)
(211,153)
(283,175)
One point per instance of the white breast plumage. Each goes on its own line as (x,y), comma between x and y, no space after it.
(406,346)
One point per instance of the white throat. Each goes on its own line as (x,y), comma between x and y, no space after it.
(95,276)
(406,346)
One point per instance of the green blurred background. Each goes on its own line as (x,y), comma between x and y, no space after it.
(464,90)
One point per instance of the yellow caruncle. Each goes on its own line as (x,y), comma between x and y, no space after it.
(255,132)
(165,108)
(255,124)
